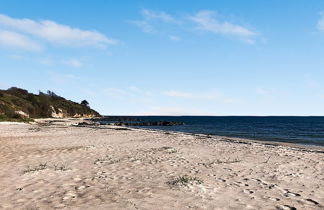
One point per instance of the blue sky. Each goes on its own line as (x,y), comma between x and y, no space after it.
(169,57)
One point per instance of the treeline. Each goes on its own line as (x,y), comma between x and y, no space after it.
(17,103)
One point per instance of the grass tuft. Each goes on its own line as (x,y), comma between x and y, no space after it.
(58,167)
(184,181)
(40,167)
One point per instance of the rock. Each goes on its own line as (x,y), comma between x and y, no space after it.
(88,123)
(154,123)
(57,114)
(23,114)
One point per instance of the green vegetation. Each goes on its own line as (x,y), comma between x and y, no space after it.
(40,167)
(17,104)
(15,119)
(184,181)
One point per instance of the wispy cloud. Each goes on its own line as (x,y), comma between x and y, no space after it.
(144,25)
(127,92)
(263,91)
(173,111)
(140,91)
(73,62)
(56,33)
(58,61)
(194,96)
(206,21)
(174,38)
(198,96)
(157,15)
(46,61)
(115,92)
(18,41)
(62,79)
(320,22)
(149,17)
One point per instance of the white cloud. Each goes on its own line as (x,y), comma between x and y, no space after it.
(73,63)
(57,61)
(62,79)
(144,25)
(207,22)
(134,88)
(198,96)
(46,61)
(149,17)
(137,90)
(320,23)
(263,91)
(193,96)
(174,38)
(18,41)
(128,93)
(56,33)
(162,16)
(115,92)
(173,111)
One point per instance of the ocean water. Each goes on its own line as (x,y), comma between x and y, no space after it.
(300,130)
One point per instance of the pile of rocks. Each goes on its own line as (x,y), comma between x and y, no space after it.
(157,123)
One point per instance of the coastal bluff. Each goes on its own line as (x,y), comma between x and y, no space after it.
(17,104)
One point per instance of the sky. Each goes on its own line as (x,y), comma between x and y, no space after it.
(170,57)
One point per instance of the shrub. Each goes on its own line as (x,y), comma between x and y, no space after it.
(85,103)
(184,181)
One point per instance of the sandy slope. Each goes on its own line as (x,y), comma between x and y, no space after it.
(62,166)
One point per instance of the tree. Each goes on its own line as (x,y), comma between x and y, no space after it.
(18,92)
(44,104)
(85,103)
(51,94)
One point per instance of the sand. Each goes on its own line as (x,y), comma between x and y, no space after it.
(58,165)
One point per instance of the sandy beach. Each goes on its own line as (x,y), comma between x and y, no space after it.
(56,165)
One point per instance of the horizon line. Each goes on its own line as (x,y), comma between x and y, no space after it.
(214,115)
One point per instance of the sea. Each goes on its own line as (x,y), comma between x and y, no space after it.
(298,130)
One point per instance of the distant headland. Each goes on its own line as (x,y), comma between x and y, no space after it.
(17,104)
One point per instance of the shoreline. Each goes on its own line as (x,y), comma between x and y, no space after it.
(74,164)
(307,147)
(290,131)
(71,121)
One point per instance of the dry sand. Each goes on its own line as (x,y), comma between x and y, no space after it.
(59,165)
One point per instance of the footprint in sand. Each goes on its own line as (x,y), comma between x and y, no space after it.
(240,184)
(248,191)
(222,180)
(285,207)
(274,199)
(288,193)
(311,201)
